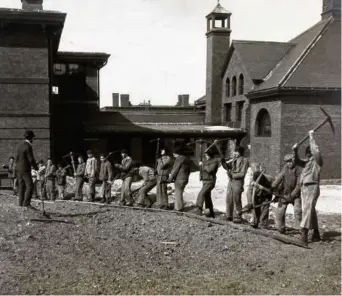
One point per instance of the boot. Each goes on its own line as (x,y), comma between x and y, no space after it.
(211,214)
(304,237)
(316,236)
(196,211)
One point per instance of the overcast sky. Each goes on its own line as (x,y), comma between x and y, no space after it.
(158,47)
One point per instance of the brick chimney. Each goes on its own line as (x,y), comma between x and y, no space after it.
(185,100)
(331,8)
(32,4)
(115,98)
(124,98)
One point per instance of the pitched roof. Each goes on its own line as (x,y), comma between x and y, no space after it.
(220,9)
(260,57)
(311,62)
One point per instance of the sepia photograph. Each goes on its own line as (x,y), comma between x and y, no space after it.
(170,147)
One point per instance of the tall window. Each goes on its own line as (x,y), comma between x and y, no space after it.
(228,112)
(241,84)
(234,86)
(228,87)
(239,109)
(263,126)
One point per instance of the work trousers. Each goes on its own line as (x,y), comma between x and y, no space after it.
(281,213)
(233,199)
(106,191)
(51,189)
(162,197)
(126,196)
(309,194)
(92,183)
(179,190)
(61,191)
(25,188)
(144,190)
(260,214)
(79,188)
(205,195)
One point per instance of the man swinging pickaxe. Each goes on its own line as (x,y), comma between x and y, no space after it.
(72,159)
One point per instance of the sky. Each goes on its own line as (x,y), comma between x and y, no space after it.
(158,47)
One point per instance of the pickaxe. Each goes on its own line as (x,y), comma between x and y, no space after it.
(327,119)
(71,155)
(111,153)
(215,143)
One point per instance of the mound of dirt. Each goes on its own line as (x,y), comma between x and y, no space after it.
(122,251)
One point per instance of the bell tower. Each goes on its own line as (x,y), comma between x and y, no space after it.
(218,42)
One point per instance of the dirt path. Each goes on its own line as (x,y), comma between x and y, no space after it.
(121,251)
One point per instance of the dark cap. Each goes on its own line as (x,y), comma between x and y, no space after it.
(124,151)
(29,134)
(240,149)
(102,155)
(89,151)
(178,150)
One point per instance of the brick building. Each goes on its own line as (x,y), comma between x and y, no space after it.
(273,90)
(56,94)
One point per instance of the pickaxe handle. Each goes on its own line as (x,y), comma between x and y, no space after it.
(215,144)
(315,129)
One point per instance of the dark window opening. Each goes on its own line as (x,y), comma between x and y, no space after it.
(228,87)
(234,86)
(263,126)
(228,112)
(241,85)
(239,109)
(59,69)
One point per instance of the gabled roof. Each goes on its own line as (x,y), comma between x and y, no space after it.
(259,57)
(314,61)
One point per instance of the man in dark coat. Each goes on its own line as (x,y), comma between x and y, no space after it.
(180,175)
(164,165)
(208,177)
(24,162)
(79,175)
(106,176)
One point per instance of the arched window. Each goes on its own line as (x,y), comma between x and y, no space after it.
(263,126)
(234,86)
(228,87)
(241,84)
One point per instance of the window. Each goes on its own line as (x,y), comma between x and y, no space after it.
(228,87)
(239,109)
(234,86)
(59,69)
(241,84)
(228,112)
(263,124)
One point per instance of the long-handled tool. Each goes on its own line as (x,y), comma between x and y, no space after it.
(215,143)
(326,120)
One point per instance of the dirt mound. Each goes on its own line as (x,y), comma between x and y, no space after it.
(133,252)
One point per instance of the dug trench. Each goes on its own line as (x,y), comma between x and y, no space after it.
(108,250)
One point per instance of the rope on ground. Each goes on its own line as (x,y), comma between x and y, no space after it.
(275,236)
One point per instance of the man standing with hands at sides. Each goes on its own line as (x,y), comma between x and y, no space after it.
(61,181)
(91,172)
(163,170)
(50,177)
(236,171)
(24,162)
(209,169)
(79,175)
(126,168)
(106,176)
(180,175)
(309,180)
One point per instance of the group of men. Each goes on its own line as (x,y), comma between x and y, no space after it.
(297,183)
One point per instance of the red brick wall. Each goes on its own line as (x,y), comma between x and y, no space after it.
(299,116)
(24,89)
(266,150)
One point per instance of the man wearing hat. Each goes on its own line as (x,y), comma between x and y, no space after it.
(287,183)
(91,173)
(24,162)
(208,177)
(236,171)
(309,180)
(164,164)
(127,170)
(180,175)
(106,176)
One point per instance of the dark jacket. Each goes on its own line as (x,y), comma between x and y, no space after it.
(50,173)
(288,181)
(180,169)
(80,171)
(24,159)
(209,170)
(61,177)
(237,169)
(164,165)
(106,171)
(126,167)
